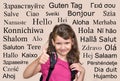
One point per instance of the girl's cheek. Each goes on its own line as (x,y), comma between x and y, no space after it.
(69,46)
(57,47)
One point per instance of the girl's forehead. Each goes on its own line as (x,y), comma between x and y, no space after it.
(58,38)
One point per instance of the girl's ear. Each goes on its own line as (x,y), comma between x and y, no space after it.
(53,42)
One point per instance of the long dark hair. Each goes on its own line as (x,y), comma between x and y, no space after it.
(65,31)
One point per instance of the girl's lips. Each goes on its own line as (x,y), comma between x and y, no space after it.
(63,50)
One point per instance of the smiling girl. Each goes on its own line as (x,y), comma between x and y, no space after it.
(63,42)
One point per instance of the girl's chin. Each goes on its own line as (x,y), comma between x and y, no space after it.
(64,54)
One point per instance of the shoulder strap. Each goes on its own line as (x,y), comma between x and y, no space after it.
(53,60)
(41,78)
(73,73)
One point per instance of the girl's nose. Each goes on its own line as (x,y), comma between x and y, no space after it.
(62,46)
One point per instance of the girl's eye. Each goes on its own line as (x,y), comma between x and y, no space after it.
(58,43)
(67,43)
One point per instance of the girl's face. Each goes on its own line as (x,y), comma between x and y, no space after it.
(62,46)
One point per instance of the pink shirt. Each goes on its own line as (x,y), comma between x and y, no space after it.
(61,71)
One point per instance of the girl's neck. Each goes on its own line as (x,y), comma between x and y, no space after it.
(62,57)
